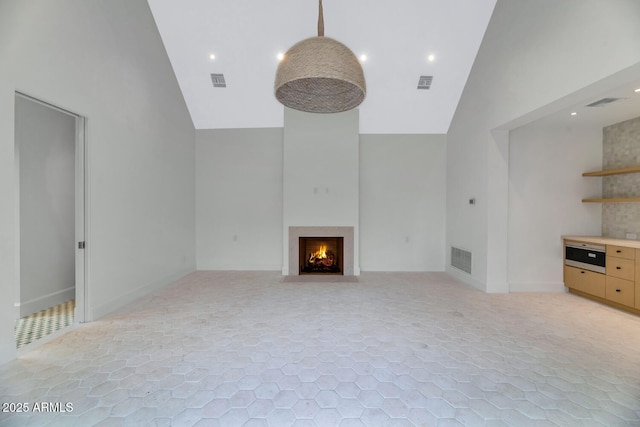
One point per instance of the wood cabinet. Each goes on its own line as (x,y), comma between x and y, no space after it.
(637,290)
(619,285)
(621,251)
(621,272)
(620,291)
(585,281)
(621,267)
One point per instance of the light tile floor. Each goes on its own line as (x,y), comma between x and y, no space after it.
(245,348)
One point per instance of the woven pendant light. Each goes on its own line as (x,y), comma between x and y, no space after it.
(320,75)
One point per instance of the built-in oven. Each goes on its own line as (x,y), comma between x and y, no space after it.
(586,256)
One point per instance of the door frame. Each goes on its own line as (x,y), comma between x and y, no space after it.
(81,211)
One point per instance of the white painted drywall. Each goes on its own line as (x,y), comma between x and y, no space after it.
(239,199)
(402,202)
(534,54)
(45,140)
(321,174)
(106,61)
(545,191)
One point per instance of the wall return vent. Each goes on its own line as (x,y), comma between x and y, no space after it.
(461,259)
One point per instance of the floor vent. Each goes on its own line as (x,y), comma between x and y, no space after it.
(461,259)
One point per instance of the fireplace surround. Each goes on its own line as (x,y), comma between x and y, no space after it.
(345,235)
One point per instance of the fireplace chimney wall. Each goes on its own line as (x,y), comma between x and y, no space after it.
(321,173)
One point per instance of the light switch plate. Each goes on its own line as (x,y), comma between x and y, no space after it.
(632,236)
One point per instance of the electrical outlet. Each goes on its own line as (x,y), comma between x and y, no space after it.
(632,236)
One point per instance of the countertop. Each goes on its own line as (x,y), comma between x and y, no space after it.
(604,241)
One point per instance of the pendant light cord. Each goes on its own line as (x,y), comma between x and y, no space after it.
(320,20)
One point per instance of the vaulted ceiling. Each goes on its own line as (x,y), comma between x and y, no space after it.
(402,40)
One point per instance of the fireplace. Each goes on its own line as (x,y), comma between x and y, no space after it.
(338,240)
(321,255)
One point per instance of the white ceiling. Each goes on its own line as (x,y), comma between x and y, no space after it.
(397,37)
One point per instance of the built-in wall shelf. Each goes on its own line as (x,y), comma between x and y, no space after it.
(613,200)
(621,171)
(609,172)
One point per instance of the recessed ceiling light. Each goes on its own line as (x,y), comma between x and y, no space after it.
(431,58)
(363,57)
(280,56)
(637,90)
(212,57)
(574,113)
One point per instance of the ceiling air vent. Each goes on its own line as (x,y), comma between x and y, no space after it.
(604,101)
(425,82)
(218,80)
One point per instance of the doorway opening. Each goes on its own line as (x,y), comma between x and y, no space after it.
(50,164)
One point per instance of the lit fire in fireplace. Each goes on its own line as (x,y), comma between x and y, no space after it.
(321,257)
(321,253)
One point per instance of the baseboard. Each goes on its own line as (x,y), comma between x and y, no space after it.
(115,304)
(235,267)
(553,287)
(37,304)
(465,278)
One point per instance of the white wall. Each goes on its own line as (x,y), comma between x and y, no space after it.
(239,199)
(45,140)
(104,60)
(546,187)
(534,54)
(239,179)
(321,174)
(402,202)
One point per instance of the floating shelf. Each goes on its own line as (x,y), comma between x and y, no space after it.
(613,200)
(621,171)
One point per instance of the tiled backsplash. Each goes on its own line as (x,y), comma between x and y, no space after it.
(621,148)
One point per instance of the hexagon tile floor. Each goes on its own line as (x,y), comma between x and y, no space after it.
(247,349)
